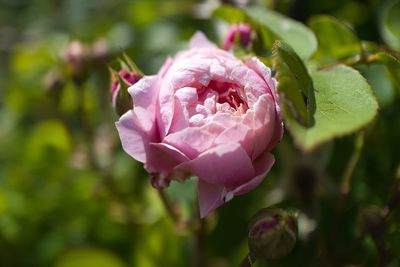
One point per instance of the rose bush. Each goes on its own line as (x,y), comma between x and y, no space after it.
(206,113)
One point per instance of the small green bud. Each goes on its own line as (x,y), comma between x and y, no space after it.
(272,234)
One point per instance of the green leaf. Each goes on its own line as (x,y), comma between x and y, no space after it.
(83,257)
(390,23)
(377,77)
(230,14)
(392,64)
(335,39)
(296,34)
(295,86)
(344,104)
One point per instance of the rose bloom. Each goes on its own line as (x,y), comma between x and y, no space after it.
(206,113)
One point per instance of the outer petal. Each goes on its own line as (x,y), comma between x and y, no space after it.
(227,164)
(239,133)
(262,166)
(194,140)
(200,40)
(262,120)
(210,197)
(264,72)
(134,139)
(163,158)
(255,64)
(144,93)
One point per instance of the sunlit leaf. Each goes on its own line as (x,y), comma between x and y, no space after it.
(378,77)
(335,39)
(295,86)
(292,32)
(344,104)
(391,63)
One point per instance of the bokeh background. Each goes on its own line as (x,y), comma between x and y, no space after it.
(69,195)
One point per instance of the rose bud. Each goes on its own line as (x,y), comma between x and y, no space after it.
(76,55)
(208,114)
(127,76)
(237,33)
(272,234)
(100,50)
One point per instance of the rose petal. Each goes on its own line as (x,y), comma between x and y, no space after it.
(264,72)
(262,120)
(187,95)
(191,141)
(238,133)
(200,40)
(262,166)
(180,119)
(133,138)
(210,197)
(227,164)
(144,92)
(162,158)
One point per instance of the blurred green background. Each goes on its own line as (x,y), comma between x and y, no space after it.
(69,195)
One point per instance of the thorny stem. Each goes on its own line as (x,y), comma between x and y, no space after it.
(359,143)
(248,261)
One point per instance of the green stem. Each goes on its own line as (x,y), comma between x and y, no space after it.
(248,261)
(200,257)
(170,209)
(355,157)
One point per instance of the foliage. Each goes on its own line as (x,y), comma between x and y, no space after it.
(69,195)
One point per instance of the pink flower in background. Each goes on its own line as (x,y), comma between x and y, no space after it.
(206,113)
(241,31)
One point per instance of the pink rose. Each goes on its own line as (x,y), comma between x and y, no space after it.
(205,113)
(241,31)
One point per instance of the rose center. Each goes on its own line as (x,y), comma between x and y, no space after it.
(226,92)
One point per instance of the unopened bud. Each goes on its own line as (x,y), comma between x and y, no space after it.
(127,76)
(100,50)
(76,56)
(272,234)
(240,33)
